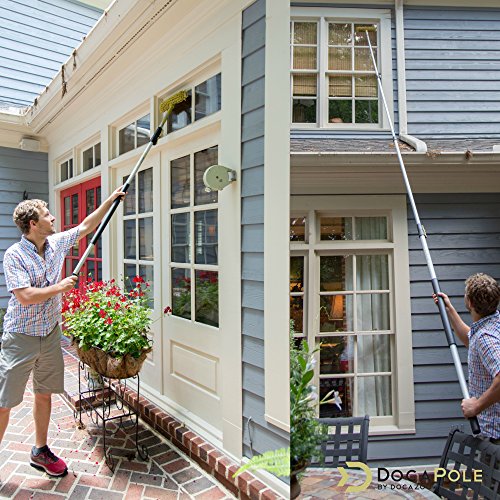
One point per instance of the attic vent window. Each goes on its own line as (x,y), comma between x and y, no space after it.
(134,135)
(66,169)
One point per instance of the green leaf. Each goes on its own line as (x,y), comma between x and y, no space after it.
(276,462)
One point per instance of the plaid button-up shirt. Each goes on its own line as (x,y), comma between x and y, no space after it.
(484,366)
(23,267)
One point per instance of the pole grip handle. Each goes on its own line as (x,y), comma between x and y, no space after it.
(450,337)
(474,425)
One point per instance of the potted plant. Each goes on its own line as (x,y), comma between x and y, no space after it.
(306,433)
(109,326)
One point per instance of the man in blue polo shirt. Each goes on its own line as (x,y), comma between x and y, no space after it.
(31,331)
(482,296)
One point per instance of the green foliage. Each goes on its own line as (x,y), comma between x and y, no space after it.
(276,462)
(103,315)
(306,433)
(2,314)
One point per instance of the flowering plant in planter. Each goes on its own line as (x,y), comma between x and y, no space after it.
(107,321)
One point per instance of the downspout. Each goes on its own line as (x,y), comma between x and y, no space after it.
(417,144)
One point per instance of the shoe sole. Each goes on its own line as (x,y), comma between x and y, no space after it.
(42,469)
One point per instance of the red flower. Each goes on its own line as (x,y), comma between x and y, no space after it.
(138,279)
(167,310)
(108,321)
(102,313)
(117,306)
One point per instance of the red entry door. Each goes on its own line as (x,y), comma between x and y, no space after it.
(76,203)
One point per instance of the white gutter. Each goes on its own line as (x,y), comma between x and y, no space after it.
(417,144)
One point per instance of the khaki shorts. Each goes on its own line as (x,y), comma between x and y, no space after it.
(20,355)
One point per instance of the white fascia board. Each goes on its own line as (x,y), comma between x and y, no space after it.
(114,24)
(421,3)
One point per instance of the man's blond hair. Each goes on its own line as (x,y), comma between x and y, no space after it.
(483,292)
(26,211)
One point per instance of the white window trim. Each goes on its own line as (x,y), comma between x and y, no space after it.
(403,420)
(384,48)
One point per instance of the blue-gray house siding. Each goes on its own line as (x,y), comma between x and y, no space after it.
(36,37)
(258,435)
(464,238)
(453,72)
(21,174)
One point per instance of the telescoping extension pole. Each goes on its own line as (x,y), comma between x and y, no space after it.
(166,107)
(423,240)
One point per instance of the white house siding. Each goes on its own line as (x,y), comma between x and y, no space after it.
(452,71)
(464,237)
(258,434)
(36,37)
(21,173)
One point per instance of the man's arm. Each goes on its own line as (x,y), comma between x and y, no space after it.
(457,323)
(32,295)
(92,221)
(471,407)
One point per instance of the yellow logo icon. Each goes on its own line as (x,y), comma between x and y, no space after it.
(345,476)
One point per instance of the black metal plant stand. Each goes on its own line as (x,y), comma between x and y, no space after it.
(104,401)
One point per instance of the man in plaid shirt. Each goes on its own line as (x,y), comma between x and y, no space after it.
(482,296)
(32,335)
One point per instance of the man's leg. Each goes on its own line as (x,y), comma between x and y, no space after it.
(41,414)
(4,421)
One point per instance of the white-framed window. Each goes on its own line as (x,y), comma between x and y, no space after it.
(66,170)
(207,101)
(134,134)
(194,264)
(91,157)
(349,294)
(333,81)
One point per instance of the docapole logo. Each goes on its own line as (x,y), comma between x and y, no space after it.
(345,476)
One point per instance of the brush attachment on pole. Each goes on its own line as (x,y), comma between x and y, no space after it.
(168,104)
(360,29)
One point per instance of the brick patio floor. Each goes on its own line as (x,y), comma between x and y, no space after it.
(167,474)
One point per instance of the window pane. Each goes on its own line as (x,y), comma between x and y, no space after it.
(181,293)
(339,58)
(75,249)
(345,389)
(74,202)
(340,86)
(336,228)
(372,272)
(340,111)
(129,202)
(374,396)
(305,85)
(297,229)
(143,130)
(336,355)
(363,59)
(130,272)
(335,314)
(181,115)
(88,159)
(64,171)
(305,33)
(129,239)
(97,154)
(67,211)
(70,168)
(304,58)
(360,36)
(366,86)
(371,228)
(203,160)
(296,274)
(373,312)
(366,111)
(147,273)
(181,244)
(297,313)
(339,34)
(146,191)
(207,297)
(90,201)
(146,238)
(304,111)
(206,237)
(374,353)
(336,273)
(180,182)
(207,97)
(87,240)
(126,139)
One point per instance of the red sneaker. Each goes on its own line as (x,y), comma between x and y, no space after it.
(47,462)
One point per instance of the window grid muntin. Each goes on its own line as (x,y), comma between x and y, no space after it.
(322,71)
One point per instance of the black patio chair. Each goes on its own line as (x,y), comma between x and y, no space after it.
(464,452)
(347,441)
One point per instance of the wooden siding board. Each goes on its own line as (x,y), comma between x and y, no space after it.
(252,181)
(253,38)
(253,95)
(252,266)
(252,153)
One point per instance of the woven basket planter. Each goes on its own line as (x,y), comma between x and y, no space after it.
(110,367)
